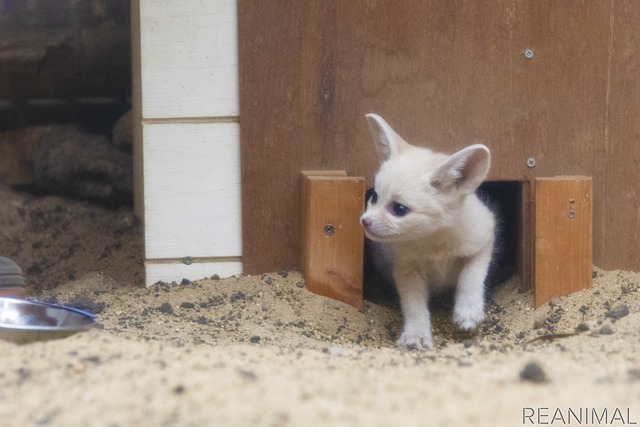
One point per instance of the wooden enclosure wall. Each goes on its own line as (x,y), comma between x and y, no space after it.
(443,74)
(187,149)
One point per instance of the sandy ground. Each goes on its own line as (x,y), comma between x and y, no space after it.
(262,350)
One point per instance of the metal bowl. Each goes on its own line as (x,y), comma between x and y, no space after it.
(23,321)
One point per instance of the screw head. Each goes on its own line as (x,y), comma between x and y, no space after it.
(187,260)
(571,214)
(329,229)
(531,162)
(528,53)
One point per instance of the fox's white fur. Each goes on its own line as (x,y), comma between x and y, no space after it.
(441,235)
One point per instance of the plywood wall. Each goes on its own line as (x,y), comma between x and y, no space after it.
(444,74)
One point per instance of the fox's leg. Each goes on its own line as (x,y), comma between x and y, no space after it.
(413,292)
(468,311)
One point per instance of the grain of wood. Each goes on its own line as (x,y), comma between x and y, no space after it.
(563,243)
(192,190)
(332,239)
(443,74)
(189,56)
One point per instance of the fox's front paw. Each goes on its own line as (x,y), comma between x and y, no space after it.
(467,318)
(415,341)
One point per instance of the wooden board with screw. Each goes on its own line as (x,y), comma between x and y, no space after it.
(332,239)
(563,236)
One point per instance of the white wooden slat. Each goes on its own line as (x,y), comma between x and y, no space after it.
(176,272)
(189,58)
(192,190)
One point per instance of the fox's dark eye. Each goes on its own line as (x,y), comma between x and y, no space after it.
(372,196)
(400,210)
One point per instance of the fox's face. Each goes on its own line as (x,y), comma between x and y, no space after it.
(418,192)
(404,204)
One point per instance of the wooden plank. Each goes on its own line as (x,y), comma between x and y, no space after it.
(565,134)
(332,239)
(341,61)
(189,58)
(293,135)
(136,108)
(617,188)
(175,272)
(527,235)
(192,194)
(443,74)
(563,227)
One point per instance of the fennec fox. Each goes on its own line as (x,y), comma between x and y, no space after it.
(426,215)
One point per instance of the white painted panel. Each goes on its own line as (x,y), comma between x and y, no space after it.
(176,272)
(189,58)
(192,190)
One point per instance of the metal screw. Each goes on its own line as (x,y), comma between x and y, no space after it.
(187,260)
(528,53)
(329,229)
(531,162)
(572,213)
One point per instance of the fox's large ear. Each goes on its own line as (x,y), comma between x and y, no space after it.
(464,170)
(388,143)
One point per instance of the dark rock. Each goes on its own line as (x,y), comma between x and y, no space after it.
(84,303)
(582,327)
(70,49)
(254,339)
(238,296)
(122,135)
(534,373)
(17,150)
(187,305)
(606,330)
(468,343)
(85,166)
(618,312)
(166,308)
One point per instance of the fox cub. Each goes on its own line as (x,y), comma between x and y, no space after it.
(426,216)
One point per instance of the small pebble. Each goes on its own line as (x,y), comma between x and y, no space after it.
(254,339)
(539,320)
(187,305)
(555,301)
(533,372)
(468,343)
(606,330)
(582,327)
(238,296)
(247,375)
(166,308)
(634,374)
(300,284)
(618,312)
(268,281)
